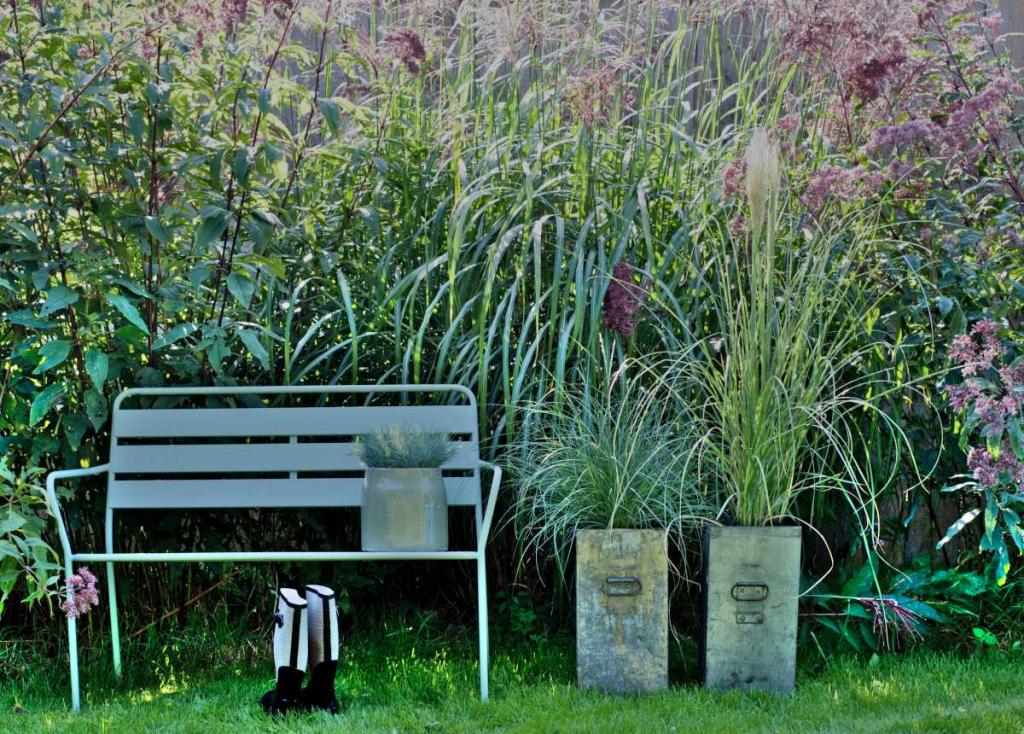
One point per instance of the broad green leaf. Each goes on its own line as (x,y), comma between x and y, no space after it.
(24,231)
(258,231)
(241,287)
(74,428)
(992,537)
(959,525)
(172,335)
(132,286)
(271,264)
(27,318)
(159,231)
(1016,433)
(984,636)
(97,365)
(1001,561)
(128,310)
(96,408)
(43,402)
(240,165)
(53,353)
(58,298)
(255,347)
(332,114)
(213,221)
(10,521)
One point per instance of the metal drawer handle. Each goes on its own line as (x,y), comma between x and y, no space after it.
(750,591)
(621,586)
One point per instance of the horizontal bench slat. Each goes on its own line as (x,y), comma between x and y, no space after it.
(325,421)
(240,493)
(270,556)
(255,457)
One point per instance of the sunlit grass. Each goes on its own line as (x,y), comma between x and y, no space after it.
(402,681)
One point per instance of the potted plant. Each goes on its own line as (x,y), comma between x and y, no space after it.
(404,504)
(609,472)
(778,386)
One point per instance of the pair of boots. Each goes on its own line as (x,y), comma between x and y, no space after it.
(305,638)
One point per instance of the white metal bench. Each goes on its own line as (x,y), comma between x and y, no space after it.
(155,453)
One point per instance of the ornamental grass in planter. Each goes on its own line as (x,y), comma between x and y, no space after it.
(610,470)
(778,385)
(404,504)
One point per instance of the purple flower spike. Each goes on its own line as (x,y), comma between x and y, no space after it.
(624,299)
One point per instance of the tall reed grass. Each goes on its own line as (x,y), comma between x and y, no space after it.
(782,385)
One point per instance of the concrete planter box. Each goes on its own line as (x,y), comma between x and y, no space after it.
(404,510)
(622,610)
(751,585)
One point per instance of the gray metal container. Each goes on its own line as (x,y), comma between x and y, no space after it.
(751,587)
(404,510)
(622,610)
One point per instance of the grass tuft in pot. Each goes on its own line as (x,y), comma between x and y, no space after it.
(604,459)
(400,448)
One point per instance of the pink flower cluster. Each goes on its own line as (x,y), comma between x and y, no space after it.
(992,393)
(734,177)
(407,48)
(977,350)
(992,471)
(590,95)
(844,184)
(82,594)
(624,299)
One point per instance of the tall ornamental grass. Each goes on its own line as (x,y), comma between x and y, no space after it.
(781,384)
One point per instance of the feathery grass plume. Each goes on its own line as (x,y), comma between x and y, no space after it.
(397,447)
(603,458)
(762,178)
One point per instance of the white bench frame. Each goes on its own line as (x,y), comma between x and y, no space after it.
(236,493)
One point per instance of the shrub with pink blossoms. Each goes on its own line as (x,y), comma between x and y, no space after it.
(990,405)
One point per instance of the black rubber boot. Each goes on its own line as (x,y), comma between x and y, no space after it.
(319,692)
(290,653)
(287,696)
(323,649)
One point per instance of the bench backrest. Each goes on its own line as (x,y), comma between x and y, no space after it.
(189,457)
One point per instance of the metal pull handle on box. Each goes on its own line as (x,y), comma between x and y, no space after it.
(621,586)
(750,591)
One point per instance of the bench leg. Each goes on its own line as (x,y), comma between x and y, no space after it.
(115,632)
(76,697)
(481,576)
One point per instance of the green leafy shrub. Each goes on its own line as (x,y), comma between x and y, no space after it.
(25,557)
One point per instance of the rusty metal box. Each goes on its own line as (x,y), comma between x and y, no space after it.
(622,610)
(751,589)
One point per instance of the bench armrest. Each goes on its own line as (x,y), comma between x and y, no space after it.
(54,505)
(492,496)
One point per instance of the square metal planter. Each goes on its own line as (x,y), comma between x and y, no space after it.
(751,588)
(622,610)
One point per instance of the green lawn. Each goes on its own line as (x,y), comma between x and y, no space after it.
(406,680)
